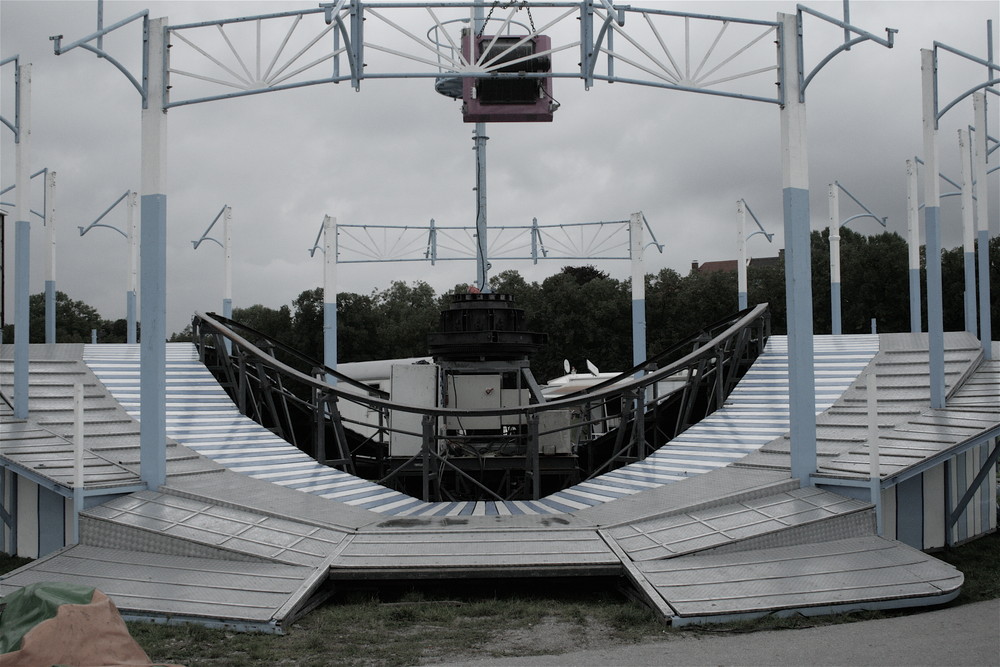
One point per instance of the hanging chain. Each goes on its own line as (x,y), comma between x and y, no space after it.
(507,5)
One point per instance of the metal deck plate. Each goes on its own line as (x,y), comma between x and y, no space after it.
(852,571)
(149,521)
(482,553)
(248,595)
(737,524)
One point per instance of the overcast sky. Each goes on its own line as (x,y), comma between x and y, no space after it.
(398,153)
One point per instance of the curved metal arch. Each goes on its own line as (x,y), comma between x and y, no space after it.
(863,36)
(15,127)
(59,49)
(880,221)
(988,85)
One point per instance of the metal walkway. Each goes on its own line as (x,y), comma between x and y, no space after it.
(697,527)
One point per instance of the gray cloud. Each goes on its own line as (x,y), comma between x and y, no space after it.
(398,153)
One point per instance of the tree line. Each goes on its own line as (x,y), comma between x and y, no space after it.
(585,312)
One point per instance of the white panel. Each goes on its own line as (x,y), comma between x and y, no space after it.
(27,518)
(411,384)
(559,442)
(889,513)
(934,507)
(474,392)
(513,398)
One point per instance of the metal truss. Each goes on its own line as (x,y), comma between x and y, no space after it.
(434,243)
(353,41)
(621,420)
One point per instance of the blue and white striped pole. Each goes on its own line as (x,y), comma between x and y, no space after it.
(968,232)
(913,244)
(798,269)
(153,262)
(638,290)
(50,257)
(133,270)
(932,224)
(741,254)
(981,155)
(835,317)
(22,241)
(330,295)
(227,262)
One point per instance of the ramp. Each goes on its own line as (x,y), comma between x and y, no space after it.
(181,589)
(808,579)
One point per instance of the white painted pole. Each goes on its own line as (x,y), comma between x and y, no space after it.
(50,257)
(78,479)
(638,290)
(835,317)
(968,232)
(741,254)
(133,268)
(22,243)
(932,220)
(227,262)
(798,268)
(330,295)
(227,249)
(153,265)
(874,468)
(913,244)
(983,217)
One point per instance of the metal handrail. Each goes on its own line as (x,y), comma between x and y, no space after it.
(707,349)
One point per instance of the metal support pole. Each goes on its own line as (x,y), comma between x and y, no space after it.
(932,218)
(427,439)
(227,265)
(22,242)
(913,245)
(981,155)
(874,469)
(330,295)
(227,262)
(482,242)
(78,480)
(480,138)
(741,254)
(153,262)
(835,317)
(534,448)
(133,272)
(968,233)
(638,290)
(798,269)
(50,257)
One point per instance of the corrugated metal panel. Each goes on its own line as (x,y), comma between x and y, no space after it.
(687,532)
(498,553)
(158,585)
(150,521)
(844,572)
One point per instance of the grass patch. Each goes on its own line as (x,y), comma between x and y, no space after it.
(979,561)
(408,625)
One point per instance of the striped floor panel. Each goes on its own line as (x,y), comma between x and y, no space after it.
(201,416)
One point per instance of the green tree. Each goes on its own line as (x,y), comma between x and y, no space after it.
(75,320)
(274,322)
(406,314)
